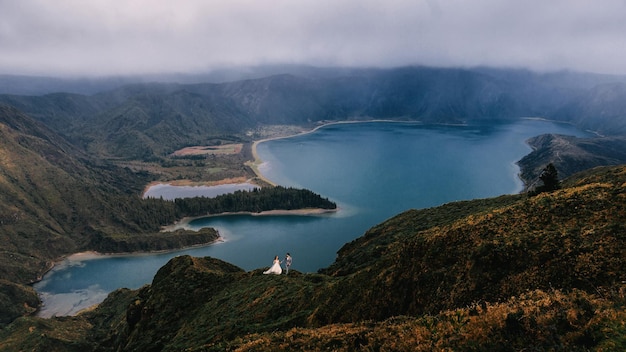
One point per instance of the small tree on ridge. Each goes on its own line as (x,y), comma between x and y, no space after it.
(550,178)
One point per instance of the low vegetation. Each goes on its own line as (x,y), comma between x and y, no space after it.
(127,243)
(542,272)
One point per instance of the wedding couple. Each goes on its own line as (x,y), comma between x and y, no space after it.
(276,268)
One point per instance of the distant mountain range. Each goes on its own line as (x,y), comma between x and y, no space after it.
(147,120)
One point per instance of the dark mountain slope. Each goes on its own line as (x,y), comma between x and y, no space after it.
(37,180)
(601,108)
(151,124)
(38,171)
(62,112)
(281,99)
(438,95)
(149,120)
(52,195)
(38,85)
(431,95)
(53,200)
(503,273)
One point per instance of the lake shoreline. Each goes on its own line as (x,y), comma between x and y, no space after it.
(90,254)
(184,222)
(279,238)
(254,164)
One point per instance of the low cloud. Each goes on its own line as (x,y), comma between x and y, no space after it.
(154,36)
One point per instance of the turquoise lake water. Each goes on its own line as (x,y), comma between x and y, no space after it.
(372,170)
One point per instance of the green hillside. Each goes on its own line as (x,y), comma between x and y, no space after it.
(509,273)
(48,196)
(56,200)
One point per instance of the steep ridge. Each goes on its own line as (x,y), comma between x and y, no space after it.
(54,200)
(503,273)
(601,108)
(38,180)
(152,124)
(38,172)
(570,155)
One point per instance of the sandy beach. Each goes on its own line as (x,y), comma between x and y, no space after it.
(83,256)
(184,222)
(88,255)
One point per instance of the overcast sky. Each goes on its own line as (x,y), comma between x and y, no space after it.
(102,37)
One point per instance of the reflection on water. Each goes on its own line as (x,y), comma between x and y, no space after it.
(60,304)
(170,192)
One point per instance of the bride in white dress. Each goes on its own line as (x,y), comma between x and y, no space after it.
(275,269)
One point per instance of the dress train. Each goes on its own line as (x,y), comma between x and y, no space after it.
(275,269)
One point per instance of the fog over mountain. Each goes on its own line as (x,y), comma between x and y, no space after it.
(102,38)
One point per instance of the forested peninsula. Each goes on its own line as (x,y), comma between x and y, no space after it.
(157,213)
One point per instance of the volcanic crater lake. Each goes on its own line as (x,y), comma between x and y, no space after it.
(372,170)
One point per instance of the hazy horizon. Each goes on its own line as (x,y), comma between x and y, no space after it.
(113,38)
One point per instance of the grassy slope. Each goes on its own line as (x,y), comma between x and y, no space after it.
(52,196)
(504,273)
(50,202)
(55,200)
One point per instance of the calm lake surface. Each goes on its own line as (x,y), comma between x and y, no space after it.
(372,170)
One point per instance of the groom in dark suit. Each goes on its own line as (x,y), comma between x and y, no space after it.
(287,263)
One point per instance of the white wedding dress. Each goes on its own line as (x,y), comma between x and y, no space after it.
(275,269)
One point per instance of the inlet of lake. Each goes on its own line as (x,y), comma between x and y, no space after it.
(372,170)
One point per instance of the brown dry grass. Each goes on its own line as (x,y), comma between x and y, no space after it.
(210,150)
